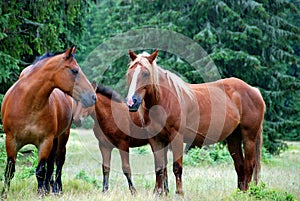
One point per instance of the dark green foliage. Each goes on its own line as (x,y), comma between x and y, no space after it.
(256,41)
(30,28)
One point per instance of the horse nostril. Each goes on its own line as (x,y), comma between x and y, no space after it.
(134,100)
(94,97)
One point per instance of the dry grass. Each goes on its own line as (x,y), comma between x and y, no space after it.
(215,182)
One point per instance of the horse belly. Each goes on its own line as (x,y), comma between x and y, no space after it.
(213,126)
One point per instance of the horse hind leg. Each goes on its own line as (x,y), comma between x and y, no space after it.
(249,141)
(234,143)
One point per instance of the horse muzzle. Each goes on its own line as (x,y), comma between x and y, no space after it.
(133,103)
(88,99)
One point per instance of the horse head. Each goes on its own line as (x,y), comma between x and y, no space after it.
(141,78)
(68,76)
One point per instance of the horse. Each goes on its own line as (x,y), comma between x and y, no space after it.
(175,112)
(31,115)
(114,127)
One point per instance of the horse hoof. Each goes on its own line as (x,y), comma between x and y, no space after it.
(158,191)
(41,193)
(180,192)
(3,197)
(132,190)
(105,189)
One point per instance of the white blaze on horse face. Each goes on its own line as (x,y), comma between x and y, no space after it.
(132,86)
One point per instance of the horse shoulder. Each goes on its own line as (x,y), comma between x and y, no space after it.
(61,107)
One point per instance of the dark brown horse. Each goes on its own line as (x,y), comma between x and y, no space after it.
(200,114)
(114,127)
(31,115)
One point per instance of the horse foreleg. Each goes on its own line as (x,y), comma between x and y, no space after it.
(158,149)
(106,156)
(11,151)
(44,151)
(177,148)
(126,169)
(50,168)
(60,160)
(9,174)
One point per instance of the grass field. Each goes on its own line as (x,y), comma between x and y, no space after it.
(82,176)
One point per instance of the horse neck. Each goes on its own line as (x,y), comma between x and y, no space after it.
(104,106)
(36,89)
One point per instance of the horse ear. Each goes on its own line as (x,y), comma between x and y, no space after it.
(70,52)
(132,55)
(94,84)
(153,56)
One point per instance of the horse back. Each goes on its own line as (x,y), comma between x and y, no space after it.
(223,105)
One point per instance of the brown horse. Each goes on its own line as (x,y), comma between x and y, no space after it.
(175,112)
(114,127)
(32,116)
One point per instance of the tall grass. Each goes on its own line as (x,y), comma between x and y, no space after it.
(205,180)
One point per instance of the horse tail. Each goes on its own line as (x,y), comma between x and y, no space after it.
(258,147)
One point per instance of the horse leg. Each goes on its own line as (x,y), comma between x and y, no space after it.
(44,151)
(158,149)
(60,160)
(177,148)
(166,185)
(50,168)
(234,143)
(11,151)
(126,168)
(106,156)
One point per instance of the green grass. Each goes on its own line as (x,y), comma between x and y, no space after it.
(82,176)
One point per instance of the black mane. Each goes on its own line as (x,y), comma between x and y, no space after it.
(46,55)
(109,93)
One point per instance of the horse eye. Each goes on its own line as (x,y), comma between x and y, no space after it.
(145,74)
(74,71)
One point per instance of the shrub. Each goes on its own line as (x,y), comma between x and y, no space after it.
(82,175)
(141,150)
(211,154)
(262,192)
(28,160)
(2,158)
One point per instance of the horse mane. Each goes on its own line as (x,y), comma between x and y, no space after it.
(179,85)
(109,93)
(45,56)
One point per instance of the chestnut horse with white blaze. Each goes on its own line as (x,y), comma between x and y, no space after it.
(199,114)
(31,115)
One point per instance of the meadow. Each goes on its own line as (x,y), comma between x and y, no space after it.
(209,180)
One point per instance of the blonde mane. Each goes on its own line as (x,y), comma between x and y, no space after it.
(179,85)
